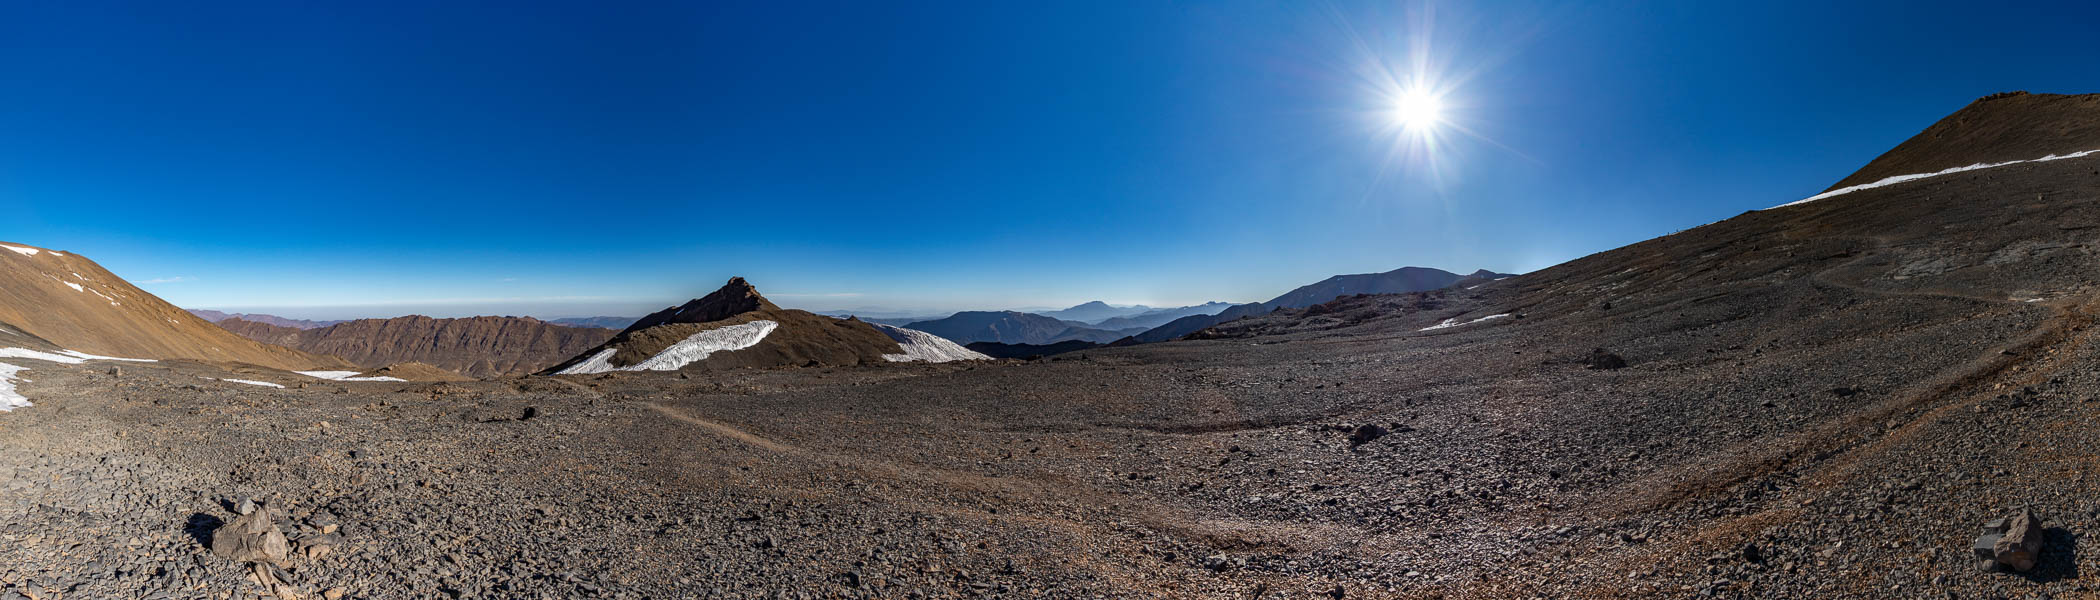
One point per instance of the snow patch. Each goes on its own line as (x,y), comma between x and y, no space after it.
(38,355)
(919,345)
(692,349)
(1914,177)
(1453,322)
(9,398)
(22,251)
(85,356)
(344,376)
(76,287)
(71,357)
(251,382)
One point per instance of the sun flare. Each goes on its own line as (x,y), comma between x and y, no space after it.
(1418,110)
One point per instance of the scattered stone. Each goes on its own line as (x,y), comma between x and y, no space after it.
(1844,392)
(246,506)
(252,537)
(116,371)
(1601,359)
(1365,433)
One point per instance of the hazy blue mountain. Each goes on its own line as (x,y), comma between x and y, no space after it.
(598,322)
(1397,281)
(1011,327)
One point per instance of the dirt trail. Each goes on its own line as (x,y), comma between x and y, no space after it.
(725,430)
(1837,436)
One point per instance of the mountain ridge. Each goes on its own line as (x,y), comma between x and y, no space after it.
(480,347)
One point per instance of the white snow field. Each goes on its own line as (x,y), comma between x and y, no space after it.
(11,399)
(1914,177)
(919,345)
(23,251)
(1449,323)
(692,349)
(251,382)
(344,376)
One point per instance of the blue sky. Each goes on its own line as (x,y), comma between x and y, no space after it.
(558,159)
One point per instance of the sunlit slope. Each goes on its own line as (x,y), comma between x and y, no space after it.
(1993,129)
(73,303)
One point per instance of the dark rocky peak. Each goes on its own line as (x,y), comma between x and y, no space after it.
(734,298)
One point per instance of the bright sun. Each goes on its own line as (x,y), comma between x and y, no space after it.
(1418,110)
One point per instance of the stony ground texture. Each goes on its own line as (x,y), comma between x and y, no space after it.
(1826,400)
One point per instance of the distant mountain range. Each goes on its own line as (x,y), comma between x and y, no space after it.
(1097,310)
(1013,327)
(599,322)
(1397,281)
(1161,316)
(216,316)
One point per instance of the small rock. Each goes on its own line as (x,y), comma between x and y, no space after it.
(1365,433)
(1600,359)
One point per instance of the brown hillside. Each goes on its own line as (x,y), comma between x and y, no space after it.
(478,346)
(106,315)
(1993,129)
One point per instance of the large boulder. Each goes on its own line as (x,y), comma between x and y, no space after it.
(253,538)
(2013,542)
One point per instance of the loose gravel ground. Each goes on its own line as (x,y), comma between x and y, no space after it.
(1820,401)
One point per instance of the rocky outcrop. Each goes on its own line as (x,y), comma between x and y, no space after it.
(252,538)
(733,298)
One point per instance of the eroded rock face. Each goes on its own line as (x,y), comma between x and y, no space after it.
(252,537)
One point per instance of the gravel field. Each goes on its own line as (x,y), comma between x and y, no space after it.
(1824,400)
